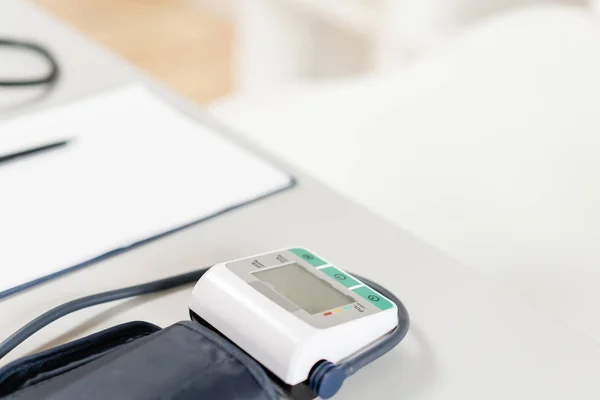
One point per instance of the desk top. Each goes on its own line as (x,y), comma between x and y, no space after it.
(468,340)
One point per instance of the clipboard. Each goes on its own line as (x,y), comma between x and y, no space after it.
(136,171)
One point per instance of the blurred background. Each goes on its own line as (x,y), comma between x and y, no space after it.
(206,49)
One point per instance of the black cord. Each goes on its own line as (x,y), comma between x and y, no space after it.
(49,78)
(326,378)
(388,342)
(349,366)
(74,305)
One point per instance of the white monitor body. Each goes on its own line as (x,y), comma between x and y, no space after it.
(290,309)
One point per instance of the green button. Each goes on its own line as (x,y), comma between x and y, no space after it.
(373,297)
(340,276)
(308,257)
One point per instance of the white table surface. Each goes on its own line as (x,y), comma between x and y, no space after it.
(469,339)
(487,149)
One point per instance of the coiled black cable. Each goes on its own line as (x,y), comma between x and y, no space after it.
(49,78)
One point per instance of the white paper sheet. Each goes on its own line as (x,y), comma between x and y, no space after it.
(136,169)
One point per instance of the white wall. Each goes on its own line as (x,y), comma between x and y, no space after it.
(425,22)
(282,41)
(421,19)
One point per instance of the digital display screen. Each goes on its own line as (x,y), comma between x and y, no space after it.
(302,288)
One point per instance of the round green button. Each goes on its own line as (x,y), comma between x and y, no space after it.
(308,257)
(340,276)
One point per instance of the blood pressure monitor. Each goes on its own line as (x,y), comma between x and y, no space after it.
(293,311)
(308,325)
